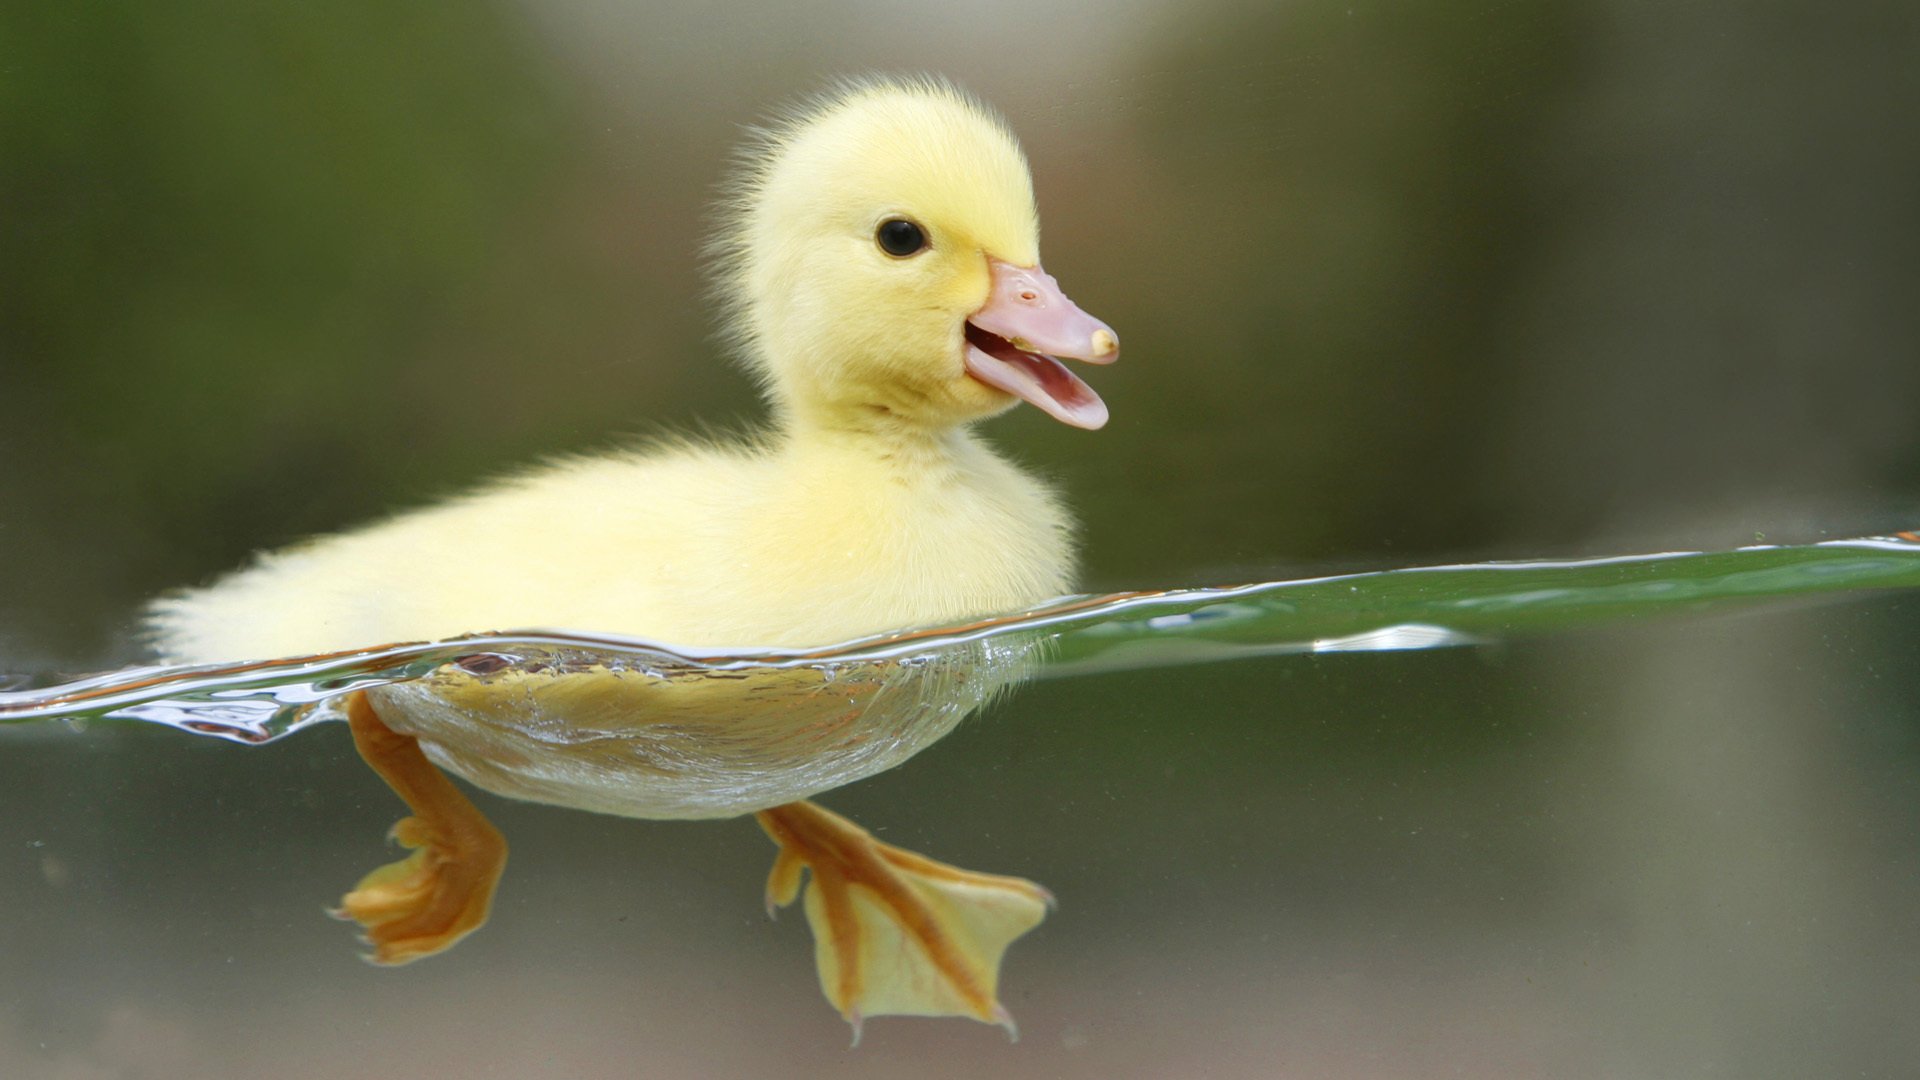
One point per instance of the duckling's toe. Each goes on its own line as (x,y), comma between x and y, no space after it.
(435,896)
(897,933)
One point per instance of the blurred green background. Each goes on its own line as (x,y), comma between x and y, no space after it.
(1398,282)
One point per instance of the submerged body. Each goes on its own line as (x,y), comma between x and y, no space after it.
(647,741)
(880,270)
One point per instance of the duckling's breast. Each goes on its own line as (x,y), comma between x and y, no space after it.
(643,738)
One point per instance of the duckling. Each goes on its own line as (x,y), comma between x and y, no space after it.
(878,271)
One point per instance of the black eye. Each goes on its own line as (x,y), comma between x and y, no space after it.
(900,238)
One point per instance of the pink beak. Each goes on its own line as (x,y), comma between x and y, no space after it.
(1015,341)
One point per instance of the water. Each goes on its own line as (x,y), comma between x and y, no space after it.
(1414,608)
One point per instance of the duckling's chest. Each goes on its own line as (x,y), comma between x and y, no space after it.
(857,545)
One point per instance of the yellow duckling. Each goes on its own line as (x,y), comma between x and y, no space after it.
(880,269)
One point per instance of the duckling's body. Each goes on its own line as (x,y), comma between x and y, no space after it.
(813,539)
(879,267)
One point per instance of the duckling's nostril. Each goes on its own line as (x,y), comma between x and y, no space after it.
(1029,296)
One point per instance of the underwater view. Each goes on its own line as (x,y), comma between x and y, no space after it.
(1454,612)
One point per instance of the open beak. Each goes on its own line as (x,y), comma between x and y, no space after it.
(1016,341)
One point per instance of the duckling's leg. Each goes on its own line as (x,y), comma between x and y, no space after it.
(896,933)
(442,892)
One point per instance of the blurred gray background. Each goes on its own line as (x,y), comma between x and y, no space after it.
(1397,282)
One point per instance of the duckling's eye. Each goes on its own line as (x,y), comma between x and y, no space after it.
(900,238)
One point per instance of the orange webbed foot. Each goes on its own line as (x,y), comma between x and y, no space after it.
(897,933)
(441,892)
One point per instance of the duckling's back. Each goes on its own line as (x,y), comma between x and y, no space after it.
(807,544)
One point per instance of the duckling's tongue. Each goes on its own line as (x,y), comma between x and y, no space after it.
(1027,322)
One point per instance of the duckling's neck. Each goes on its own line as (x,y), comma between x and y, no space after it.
(880,435)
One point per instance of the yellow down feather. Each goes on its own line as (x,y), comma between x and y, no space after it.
(867,504)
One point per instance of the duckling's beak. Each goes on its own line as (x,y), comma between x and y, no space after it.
(1016,341)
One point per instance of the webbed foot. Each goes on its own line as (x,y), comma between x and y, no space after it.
(443,891)
(897,933)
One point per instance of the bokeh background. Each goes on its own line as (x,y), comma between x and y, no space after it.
(1398,283)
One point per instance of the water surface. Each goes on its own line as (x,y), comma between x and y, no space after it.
(1414,608)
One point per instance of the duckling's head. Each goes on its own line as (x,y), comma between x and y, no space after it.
(880,263)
